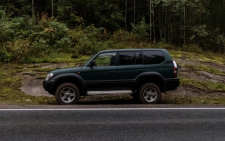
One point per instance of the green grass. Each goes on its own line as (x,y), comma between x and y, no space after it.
(205,68)
(208,57)
(202,85)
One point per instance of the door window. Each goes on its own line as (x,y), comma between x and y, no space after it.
(138,58)
(126,58)
(130,58)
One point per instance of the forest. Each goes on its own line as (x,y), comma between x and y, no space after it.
(81,27)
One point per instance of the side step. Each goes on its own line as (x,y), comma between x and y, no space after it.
(109,92)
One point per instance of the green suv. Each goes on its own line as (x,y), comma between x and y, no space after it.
(144,73)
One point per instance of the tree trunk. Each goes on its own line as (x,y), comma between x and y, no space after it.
(126,15)
(32,9)
(150,18)
(52,8)
(184,24)
(134,12)
(160,22)
(154,24)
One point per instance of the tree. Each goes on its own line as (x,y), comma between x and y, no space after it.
(52,8)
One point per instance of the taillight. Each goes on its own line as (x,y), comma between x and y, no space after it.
(175,72)
(175,69)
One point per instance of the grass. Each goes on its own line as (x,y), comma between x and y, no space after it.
(208,57)
(58,58)
(206,68)
(11,75)
(203,85)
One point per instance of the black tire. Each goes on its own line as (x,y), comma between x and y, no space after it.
(149,93)
(67,94)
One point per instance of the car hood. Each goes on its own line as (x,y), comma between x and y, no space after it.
(67,70)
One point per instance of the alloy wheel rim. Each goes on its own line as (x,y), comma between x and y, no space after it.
(67,94)
(150,94)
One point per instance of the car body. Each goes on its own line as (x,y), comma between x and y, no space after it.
(145,72)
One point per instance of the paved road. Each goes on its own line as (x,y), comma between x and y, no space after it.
(113,125)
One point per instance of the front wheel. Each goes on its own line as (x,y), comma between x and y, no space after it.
(67,93)
(149,93)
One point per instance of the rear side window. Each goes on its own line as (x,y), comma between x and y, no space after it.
(127,58)
(138,58)
(153,57)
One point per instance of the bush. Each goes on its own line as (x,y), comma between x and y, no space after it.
(14,38)
(122,36)
(86,41)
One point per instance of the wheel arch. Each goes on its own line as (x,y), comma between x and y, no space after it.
(151,77)
(69,78)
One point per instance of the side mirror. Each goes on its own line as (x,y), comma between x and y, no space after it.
(92,63)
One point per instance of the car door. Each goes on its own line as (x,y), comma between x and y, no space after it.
(102,76)
(129,67)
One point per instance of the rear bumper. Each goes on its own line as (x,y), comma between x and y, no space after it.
(171,84)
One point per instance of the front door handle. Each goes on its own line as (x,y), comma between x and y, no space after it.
(111,72)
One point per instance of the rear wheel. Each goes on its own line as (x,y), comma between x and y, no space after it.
(149,93)
(67,93)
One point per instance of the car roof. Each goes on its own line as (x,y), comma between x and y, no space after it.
(119,50)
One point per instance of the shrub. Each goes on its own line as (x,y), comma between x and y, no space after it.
(85,41)
(122,35)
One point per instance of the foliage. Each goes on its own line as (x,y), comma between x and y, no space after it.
(20,39)
(86,26)
(140,30)
(122,36)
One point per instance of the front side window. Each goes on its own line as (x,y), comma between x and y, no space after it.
(105,59)
(153,57)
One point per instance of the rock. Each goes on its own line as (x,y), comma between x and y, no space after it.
(28,100)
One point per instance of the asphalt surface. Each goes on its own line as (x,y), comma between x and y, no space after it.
(113,124)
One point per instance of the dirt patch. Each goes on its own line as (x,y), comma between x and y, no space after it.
(33,86)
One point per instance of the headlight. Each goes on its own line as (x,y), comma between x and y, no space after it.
(49,76)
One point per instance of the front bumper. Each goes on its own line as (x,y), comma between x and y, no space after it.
(48,86)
